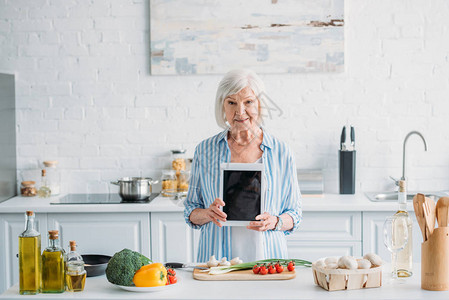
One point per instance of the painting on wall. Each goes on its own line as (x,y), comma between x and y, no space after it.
(267,36)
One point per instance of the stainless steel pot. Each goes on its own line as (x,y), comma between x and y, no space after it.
(135,188)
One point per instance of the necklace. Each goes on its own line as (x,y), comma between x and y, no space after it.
(240,143)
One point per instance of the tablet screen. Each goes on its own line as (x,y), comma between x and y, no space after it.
(242,194)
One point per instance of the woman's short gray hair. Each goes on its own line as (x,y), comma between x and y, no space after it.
(232,83)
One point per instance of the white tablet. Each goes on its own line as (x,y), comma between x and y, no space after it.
(241,187)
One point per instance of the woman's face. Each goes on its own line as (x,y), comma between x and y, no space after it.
(242,109)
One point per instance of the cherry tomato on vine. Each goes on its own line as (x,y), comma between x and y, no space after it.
(263,270)
(256,269)
(271,269)
(171,272)
(279,268)
(291,266)
(173,279)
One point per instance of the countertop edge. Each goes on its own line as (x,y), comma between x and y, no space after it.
(327,203)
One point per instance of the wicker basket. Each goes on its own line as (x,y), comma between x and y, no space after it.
(343,279)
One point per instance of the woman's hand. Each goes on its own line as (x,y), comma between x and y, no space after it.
(213,214)
(267,222)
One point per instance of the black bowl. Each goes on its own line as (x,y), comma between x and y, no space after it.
(95,264)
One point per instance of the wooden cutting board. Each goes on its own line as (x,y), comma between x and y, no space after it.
(242,275)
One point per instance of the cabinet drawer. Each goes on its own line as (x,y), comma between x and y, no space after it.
(103,233)
(315,250)
(333,226)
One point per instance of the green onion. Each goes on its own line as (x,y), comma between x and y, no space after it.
(250,265)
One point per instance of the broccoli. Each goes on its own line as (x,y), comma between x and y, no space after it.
(123,265)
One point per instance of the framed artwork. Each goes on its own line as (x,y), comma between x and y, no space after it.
(267,36)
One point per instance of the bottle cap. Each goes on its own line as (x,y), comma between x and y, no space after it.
(72,245)
(29,213)
(43,172)
(402,185)
(28,183)
(53,234)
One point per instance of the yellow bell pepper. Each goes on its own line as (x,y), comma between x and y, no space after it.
(151,275)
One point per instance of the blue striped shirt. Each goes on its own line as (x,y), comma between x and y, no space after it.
(282,196)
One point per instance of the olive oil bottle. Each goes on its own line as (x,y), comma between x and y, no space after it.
(53,265)
(29,258)
(75,275)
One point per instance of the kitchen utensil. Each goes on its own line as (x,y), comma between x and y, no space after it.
(418,201)
(429,215)
(343,139)
(435,261)
(352,138)
(442,211)
(176,265)
(242,275)
(95,264)
(135,188)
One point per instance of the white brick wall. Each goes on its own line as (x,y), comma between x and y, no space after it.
(85,96)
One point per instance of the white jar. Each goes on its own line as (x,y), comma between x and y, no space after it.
(53,176)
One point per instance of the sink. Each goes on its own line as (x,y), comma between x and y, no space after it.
(393,196)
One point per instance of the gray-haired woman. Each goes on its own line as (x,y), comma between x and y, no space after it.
(238,109)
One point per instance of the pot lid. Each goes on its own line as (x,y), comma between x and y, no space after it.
(130,179)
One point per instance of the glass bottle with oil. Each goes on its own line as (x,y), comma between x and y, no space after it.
(53,265)
(403,259)
(75,275)
(44,191)
(29,258)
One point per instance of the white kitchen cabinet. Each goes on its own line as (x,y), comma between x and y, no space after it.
(172,240)
(103,233)
(314,250)
(11,226)
(323,234)
(329,226)
(373,235)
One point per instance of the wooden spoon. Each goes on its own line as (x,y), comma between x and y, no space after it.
(418,201)
(442,211)
(429,215)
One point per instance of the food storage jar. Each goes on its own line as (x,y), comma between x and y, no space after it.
(169,183)
(28,188)
(53,176)
(178,160)
(183,181)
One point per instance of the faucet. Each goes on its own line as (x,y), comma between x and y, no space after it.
(403,150)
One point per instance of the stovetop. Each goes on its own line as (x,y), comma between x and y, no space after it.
(98,199)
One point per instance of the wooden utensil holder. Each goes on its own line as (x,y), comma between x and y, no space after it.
(435,261)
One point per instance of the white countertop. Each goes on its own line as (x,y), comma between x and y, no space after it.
(329,202)
(302,287)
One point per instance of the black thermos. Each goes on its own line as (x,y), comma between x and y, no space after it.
(347,171)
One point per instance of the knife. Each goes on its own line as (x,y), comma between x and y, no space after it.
(343,139)
(352,138)
(176,265)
